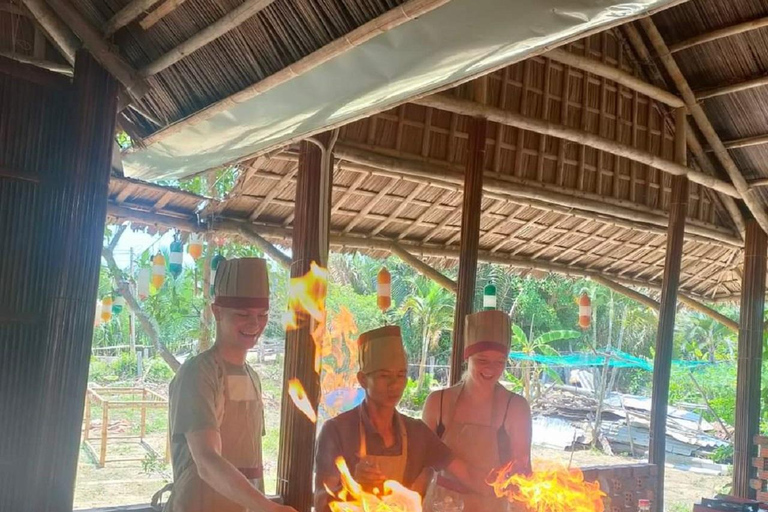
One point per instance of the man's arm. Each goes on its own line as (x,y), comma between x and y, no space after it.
(472,479)
(223,477)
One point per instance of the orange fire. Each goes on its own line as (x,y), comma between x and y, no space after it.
(300,399)
(335,348)
(352,498)
(551,488)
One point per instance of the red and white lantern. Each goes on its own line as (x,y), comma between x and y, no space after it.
(384,289)
(585,311)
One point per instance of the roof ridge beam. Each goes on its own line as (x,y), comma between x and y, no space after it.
(720,33)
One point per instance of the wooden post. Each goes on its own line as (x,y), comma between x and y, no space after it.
(750,353)
(470,240)
(662,364)
(310,243)
(104,432)
(87,431)
(143,413)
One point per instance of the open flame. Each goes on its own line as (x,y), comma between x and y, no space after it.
(352,498)
(335,347)
(551,488)
(301,400)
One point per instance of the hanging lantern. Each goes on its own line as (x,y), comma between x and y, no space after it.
(106,309)
(214,265)
(195,246)
(585,311)
(489,296)
(142,283)
(158,271)
(118,304)
(97,314)
(384,289)
(176,257)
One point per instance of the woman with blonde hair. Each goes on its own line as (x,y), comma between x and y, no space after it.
(480,420)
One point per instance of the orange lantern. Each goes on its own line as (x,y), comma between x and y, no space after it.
(384,289)
(585,311)
(195,246)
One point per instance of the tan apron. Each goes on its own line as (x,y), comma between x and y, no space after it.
(478,446)
(241,430)
(391,466)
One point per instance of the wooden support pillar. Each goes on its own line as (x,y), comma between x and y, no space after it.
(662,364)
(470,240)
(310,243)
(749,358)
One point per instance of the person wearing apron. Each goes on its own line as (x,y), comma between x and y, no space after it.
(479,419)
(216,414)
(376,441)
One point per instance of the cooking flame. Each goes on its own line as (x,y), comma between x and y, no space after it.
(335,347)
(352,498)
(300,399)
(551,488)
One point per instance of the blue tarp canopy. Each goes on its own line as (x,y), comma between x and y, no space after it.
(616,359)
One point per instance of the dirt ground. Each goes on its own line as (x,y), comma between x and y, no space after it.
(129,484)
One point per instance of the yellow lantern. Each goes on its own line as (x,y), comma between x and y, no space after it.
(158,271)
(106,309)
(195,246)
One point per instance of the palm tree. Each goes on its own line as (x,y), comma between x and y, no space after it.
(703,335)
(431,308)
(539,345)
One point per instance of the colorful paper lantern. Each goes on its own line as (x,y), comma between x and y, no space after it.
(384,289)
(158,271)
(142,283)
(489,296)
(106,309)
(585,311)
(215,265)
(176,257)
(118,304)
(195,246)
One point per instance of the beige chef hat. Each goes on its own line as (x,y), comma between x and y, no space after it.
(242,283)
(487,330)
(381,349)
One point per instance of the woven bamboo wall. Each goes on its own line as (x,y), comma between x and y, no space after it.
(57,141)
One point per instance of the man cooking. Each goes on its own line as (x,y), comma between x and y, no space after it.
(376,440)
(215,407)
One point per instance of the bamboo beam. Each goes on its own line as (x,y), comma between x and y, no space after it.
(57,31)
(553,198)
(721,33)
(627,292)
(297,442)
(101,51)
(750,352)
(423,268)
(745,142)
(471,211)
(162,11)
(701,308)
(678,206)
(384,23)
(706,165)
(746,85)
(495,114)
(55,67)
(126,15)
(229,21)
(266,246)
(753,201)
(615,74)
(762,182)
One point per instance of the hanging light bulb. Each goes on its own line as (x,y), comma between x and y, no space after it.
(118,304)
(384,289)
(489,296)
(158,271)
(142,283)
(176,257)
(195,246)
(106,309)
(214,266)
(585,311)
